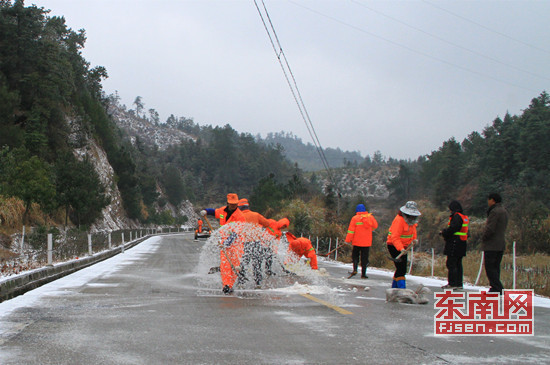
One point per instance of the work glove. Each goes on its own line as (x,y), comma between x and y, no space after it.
(203,212)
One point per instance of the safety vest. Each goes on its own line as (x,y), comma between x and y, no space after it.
(463,233)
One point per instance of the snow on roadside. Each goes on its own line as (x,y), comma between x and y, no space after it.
(538,300)
(107,267)
(80,278)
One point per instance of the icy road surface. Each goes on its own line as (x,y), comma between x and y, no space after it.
(157,304)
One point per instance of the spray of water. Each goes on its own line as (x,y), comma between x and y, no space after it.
(262,254)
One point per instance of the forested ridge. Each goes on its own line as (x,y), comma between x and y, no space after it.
(510,156)
(306,155)
(52,104)
(44,81)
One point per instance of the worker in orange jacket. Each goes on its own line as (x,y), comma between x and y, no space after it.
(276,227)
(251,216)
(360,236)
(256,247)
(199,229)
(231,247)
(302,247)
(275,230)
(402,233)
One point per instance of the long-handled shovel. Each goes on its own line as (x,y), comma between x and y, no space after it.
(398,257)
(208,222)
(331,251)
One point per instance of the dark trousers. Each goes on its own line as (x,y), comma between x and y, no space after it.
(267,254)
(492,261)
(363,253)
(456,272)
(401,266)
(252,255)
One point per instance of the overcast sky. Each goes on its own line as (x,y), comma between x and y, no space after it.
(398,77)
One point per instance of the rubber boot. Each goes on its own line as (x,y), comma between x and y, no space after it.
(394,284)
(401,284)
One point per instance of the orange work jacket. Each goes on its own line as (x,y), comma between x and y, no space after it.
(221,214)
(230,256)
(302,247)
(360,229)
(254,217)
(401,234)
(275,227)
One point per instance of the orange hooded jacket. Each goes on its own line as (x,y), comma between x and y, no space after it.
(275,227)
(360,229)
(401,234)
(254,217)
(302,247)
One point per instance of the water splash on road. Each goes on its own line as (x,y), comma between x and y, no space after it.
(285,272)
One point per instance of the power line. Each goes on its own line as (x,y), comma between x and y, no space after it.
(277,48)
(412,49)
(486,28)
(449,42)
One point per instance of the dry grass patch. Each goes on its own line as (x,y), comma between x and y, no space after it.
(6,254)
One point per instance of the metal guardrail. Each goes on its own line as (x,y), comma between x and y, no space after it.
(73,253)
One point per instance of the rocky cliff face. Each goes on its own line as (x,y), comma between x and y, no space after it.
(114,216)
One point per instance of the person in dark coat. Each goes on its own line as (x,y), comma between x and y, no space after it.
(493,242)
(455,235)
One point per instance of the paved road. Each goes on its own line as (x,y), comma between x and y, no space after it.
(156,304)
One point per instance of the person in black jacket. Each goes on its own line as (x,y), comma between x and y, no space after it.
(493,242)
(455,235)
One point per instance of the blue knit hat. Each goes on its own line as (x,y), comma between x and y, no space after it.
(360,208)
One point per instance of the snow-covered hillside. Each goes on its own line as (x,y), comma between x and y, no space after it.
(150,133)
